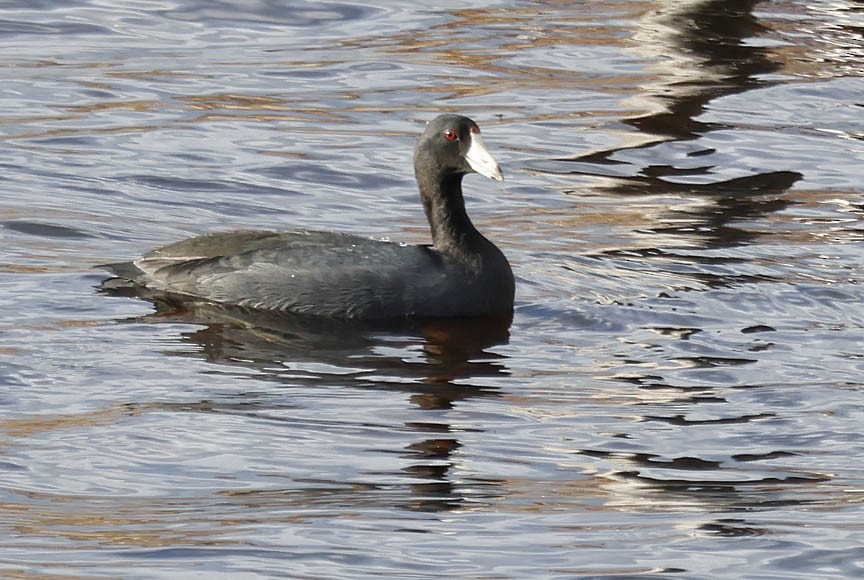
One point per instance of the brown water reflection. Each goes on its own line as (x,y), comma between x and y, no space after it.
(660,189)
(705,57)
(708,53)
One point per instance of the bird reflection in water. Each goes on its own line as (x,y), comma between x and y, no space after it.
(438,362)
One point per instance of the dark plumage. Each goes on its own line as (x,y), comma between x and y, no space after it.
(345,276)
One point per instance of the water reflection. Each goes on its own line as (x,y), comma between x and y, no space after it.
(653,482)
(438,362)
(708,57)
(702,51)
(710,224)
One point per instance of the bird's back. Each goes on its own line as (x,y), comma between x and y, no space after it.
(317,273)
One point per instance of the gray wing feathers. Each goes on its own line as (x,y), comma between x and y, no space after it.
(305,272)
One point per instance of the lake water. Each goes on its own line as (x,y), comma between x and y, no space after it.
(679,394)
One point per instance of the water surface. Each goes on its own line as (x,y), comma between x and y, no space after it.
(678,396)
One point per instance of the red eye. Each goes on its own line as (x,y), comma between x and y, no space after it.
(450,135)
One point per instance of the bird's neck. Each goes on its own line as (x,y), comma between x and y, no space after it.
(452,230)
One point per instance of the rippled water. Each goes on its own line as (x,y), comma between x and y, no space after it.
(679,395)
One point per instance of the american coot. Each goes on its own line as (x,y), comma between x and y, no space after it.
(345,276)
